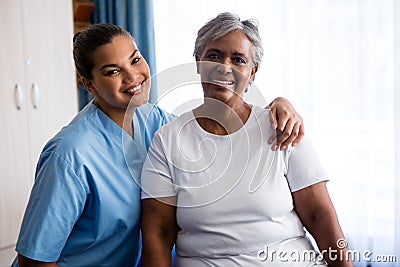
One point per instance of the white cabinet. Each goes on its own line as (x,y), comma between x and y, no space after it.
(37,95)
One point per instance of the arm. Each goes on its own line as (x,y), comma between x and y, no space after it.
(287,122)
(26,262)
(316,211)
(56,202)
(159,230)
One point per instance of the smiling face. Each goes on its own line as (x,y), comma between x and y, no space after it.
(227,68)
(120,74)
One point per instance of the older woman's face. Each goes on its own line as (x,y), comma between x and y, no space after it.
(228,66)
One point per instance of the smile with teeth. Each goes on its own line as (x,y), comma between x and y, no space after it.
(222,82)
(134,89)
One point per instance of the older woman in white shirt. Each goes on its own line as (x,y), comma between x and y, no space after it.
(212,185)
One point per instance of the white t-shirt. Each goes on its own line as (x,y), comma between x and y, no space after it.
(233,192)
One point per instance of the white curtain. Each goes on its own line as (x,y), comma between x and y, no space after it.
(335,60)
(337,65)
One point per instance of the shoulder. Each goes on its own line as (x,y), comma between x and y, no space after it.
(170,133)
(152,113)
(301,150)
(175,126)
(260,123)
(63,157)
(76,137)
(261,114)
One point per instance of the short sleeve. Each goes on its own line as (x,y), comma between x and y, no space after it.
(56,202)
(156,179)
(303,166)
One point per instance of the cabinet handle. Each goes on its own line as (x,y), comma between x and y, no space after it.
(18,96)
(35,96)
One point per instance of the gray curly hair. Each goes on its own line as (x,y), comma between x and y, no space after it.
(222,25)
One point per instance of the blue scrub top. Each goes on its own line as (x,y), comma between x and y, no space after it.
(84,208)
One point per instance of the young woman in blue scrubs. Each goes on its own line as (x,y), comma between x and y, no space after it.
(84,208)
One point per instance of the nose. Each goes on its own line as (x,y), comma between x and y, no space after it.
(131,74)
(224,66)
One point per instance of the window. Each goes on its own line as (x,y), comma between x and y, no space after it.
(334,60)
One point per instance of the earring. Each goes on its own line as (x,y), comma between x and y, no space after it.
(247,87)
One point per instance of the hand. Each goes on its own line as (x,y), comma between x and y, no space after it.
(287,122)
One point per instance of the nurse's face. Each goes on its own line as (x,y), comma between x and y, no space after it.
(120,74)
(228,66)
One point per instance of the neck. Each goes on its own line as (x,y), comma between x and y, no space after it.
(122,117)
(220,118)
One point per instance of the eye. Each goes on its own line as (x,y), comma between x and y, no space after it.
(111,72)
(239,60)
(136,60)
(213,56)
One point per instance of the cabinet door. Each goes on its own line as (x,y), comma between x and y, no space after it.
(15,169)
(50,77)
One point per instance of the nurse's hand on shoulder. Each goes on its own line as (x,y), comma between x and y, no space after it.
(287,122)
(25,262)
